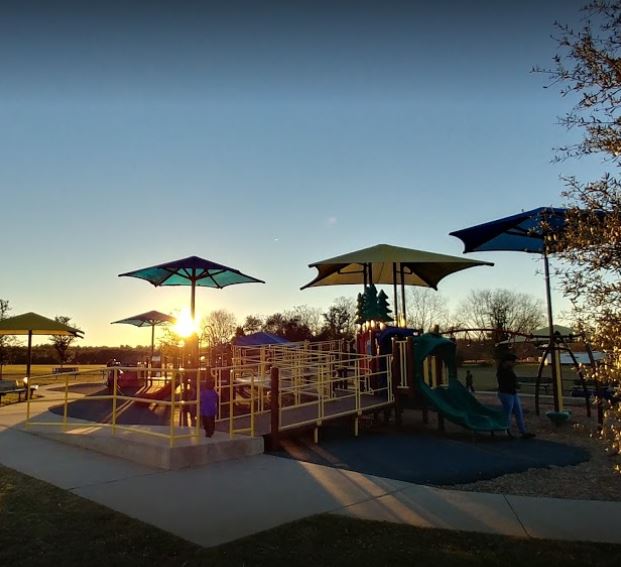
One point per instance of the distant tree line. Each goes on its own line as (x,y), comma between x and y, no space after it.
(501,310)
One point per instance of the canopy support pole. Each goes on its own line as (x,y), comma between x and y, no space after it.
(394,293)
(557,388)
(193,299)
(152,343)
(403,311)
(29,361)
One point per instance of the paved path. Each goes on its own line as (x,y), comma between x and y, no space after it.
(261,492)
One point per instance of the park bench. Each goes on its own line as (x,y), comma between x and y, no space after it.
(15,387)
(63,369)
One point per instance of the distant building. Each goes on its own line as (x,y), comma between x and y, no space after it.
(581,358)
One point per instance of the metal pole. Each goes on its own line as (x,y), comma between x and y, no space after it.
(403,311)
(152,344)
(193,296)
(394,293)
(66,402)
(275,408)
(556,382)
(29,361)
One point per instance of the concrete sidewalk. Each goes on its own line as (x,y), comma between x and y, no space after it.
(260,492)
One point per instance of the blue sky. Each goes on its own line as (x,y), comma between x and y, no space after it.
(265,136)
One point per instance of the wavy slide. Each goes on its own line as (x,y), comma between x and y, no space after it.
(456,404)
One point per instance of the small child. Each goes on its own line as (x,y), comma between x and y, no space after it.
(209,407)
(469,381)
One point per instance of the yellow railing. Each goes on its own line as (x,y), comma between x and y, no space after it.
(313,386)
(335,386)
(183,399)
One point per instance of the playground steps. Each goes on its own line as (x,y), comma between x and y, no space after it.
(155,451)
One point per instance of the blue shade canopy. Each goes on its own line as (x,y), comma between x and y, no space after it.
(192,271)
(259,339)
(523,232)
(148,319)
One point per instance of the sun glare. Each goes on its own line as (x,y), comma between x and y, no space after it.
(185,325)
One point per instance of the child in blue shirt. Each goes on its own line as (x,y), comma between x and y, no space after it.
(209,407)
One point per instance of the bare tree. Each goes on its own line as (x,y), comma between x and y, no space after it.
(218,328)
(7,342)
(339,320)
(501,310)
(62,343)
(426,308)
(306,316)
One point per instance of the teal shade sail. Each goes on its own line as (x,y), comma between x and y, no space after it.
(148,319)
(192,271)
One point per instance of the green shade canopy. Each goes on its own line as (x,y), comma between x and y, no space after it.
(385,264)
(33,324)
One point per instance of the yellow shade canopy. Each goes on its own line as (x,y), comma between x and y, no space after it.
(386,264)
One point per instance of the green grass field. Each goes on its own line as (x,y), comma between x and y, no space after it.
(18,371)
(484,377)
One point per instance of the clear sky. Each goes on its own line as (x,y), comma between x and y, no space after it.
(264,135)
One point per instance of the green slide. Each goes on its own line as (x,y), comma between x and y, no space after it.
(455,403)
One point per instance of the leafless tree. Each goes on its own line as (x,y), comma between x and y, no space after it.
(218,328)
(426,308)
(306,316)
(7,342)
(502,310)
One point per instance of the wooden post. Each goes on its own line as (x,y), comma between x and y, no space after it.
(275,409)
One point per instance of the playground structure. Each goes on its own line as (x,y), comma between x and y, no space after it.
(272,390)
(278,389)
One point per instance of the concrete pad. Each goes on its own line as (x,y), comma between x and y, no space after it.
(140,446)
(574,520)
(428,507)
(225,501)
(60,464)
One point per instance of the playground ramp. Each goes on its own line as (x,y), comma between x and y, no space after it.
(459,406)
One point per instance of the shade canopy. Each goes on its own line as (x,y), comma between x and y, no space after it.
(192,271)
(34,324)
(524,232)
(148,319)
(258,339)
(386,264)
